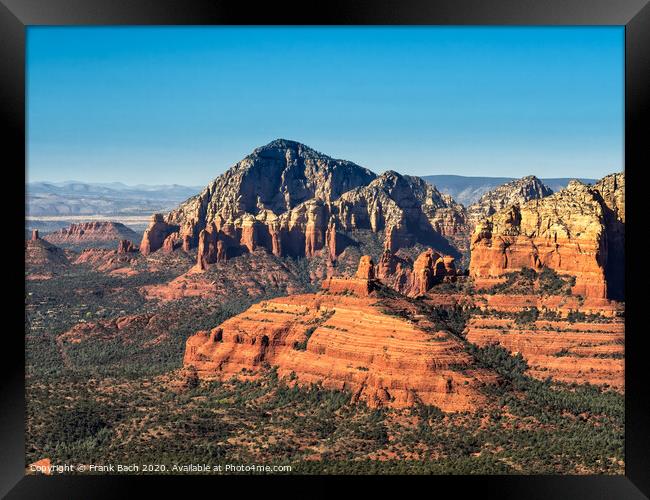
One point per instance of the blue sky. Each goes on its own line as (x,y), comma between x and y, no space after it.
(180,105)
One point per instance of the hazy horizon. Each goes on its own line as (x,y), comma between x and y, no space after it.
(180,105)
(108,183)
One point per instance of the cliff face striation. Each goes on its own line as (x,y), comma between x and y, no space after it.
(344,341)
(293,201)
(91,232)
(577,231)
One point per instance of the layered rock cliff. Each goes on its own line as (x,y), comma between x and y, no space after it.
(407,210)
(293,201)
(578,231)
(611,189)
(91,232)
(574,352)
(343,342)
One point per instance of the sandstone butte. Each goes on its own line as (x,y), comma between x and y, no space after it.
(110,261)
(290,200)
(345,337)
(574,352)
(578,231)
(91,232)
(40,253)
(343,341)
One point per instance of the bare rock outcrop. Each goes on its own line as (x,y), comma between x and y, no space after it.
(511,193)
(277,177)
(577,231)
(126,246)
(362,284)
(155,235)
(91,232)
(612,192)
(293,201)
(415,278)
(40,254)
(406,210)
(366,269)
(343,342)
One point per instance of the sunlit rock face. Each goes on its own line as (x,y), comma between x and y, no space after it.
(511,193)
(578,231)
(293,201)
(343,338)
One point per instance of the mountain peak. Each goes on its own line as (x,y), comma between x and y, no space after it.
(287,144)
(514,192)
(281,143)
(277,177)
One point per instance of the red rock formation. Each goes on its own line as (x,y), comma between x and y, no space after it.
(387,265)
(566,232)
(250,233)
(295,209)
(612,191)
(207,251)
(246,276)
(351,344)
(110,261)
(361,285)
(423,273)
(171,243)
(569,352)
(396,237)
(562,305)
(552,345)
(449,264)
(314,229)
(154,236)
(221,251)
(331,241)
(187,243)
(126,246)
(346,286)
(91,232)
(515,192)
(428,269)
(34,234)
(366,269)
(40,253)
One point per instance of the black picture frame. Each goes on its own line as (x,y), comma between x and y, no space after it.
(16,15)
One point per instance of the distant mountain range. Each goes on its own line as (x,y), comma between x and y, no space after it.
(115,198)
(468,190)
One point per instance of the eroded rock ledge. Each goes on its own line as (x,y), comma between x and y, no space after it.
(344,338)
(579,231)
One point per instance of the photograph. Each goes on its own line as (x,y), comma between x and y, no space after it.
(329,250)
